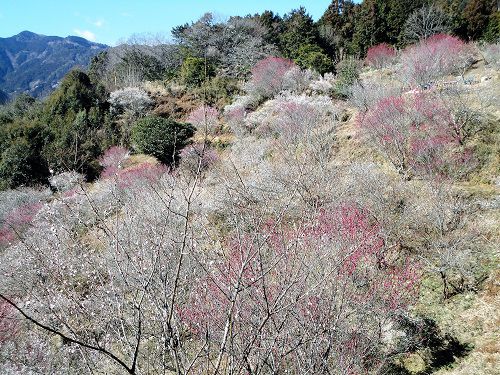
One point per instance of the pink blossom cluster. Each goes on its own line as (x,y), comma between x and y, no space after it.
(380,56)
(112,160)
(17,221)
(415,132)
(434,58)
(135,175)
(277,266)
(204,118)
(268,76)
(199,155)
(8,324)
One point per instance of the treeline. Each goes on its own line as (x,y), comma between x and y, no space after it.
(345,29)
(229,49)
(354,28)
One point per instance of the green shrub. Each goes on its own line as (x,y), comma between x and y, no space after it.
(218,91)
(492,32)
(313,57)
(161,137)
(194,71)
(347,73)
(20,164)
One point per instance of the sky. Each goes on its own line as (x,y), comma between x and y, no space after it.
(112,21)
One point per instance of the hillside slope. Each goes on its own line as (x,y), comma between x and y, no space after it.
(35,63)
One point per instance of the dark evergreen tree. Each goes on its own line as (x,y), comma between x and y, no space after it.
(76,118)
(273,25)
(160,137)
(298,30)
(312,56)
(336,28)
(369,27)
(477,15)
(21,144)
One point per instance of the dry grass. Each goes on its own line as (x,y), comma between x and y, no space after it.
(138,159)
(478,322)
(472,317)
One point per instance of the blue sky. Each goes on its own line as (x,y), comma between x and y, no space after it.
(108,21)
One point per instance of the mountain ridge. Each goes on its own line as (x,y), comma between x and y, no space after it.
(35,63)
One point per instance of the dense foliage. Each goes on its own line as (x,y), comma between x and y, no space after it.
(161,138)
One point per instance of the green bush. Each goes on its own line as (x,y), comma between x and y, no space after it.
(218,91)
(347,73)
(161,137)
(20,164)
(492,32)
(313,57)
(194,71)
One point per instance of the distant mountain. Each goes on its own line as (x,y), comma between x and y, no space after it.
(3,97)
(35,63)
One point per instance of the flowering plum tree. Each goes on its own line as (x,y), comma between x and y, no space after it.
(292,298)
(413,132)
(198,156)
(16,222)
(435,57)
(204,118)
(268,77)
(112,160)
(380,56)
(365,94)
(130,99)
(8,325)
(291,117)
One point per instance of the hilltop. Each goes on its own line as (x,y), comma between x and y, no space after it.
(34,64)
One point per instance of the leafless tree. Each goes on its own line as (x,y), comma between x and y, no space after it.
(235,44)
(448,246)
(425,22)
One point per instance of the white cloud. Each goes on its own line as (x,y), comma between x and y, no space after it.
(98,23)
(89,35)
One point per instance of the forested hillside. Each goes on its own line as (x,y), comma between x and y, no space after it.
(263,195)
(34,64)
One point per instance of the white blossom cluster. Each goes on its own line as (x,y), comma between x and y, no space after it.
(133,99)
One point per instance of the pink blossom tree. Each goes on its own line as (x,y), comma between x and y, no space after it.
(112,160)
(413,132)
(17,222)
(380,56)
(198,157)
(268,76)
(434,58)
(204,118)
(284,298)
(8,324)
